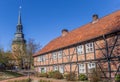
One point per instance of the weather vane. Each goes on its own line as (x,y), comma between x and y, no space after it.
(20,7)
(20,4)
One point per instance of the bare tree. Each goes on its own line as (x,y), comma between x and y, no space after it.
(32,47)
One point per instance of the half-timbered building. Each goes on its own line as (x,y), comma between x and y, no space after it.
(94,45)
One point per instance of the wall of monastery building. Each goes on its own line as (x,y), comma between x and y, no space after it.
(71,60)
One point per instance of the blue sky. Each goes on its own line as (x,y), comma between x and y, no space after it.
(43,20)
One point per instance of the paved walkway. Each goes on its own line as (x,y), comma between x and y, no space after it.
(12,79)
(35,79)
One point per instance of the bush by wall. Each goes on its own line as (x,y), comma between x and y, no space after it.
(117,78)
(71,76)
(82,77)
(57,75)
(50,74)
(44,80)
(43,75)
(95,75)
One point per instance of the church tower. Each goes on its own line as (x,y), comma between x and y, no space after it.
(19,43)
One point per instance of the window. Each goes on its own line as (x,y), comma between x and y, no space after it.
(41,58)
(82,68)
(42,69)
(60,54)
(80,49)
(61,69)
(54,55)
(55,68)
(91,65)
(89,47)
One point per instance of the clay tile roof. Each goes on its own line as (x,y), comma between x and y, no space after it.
(104,25)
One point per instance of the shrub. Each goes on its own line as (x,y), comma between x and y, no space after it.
(65,75)
(71,76)
(117,78)
(95,76)
(82,77)
(57,75)
(50,74)
(44,80)
(43,75)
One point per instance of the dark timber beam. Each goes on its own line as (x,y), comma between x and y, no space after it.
(107,53)
(116,38)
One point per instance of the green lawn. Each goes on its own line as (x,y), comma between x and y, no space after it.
(8,74)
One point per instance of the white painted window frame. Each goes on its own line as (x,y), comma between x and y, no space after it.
(80,49)
(61,69)
(55,68)
(54,55)
(41,58)
(82,68)
(89,47)
(91,65)
(44,69)
(59,54)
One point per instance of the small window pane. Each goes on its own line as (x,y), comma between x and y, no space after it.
(80,49)
(61,69)
(60,54)
(54,55)
(43,69)
(55,68)
(91,65)
(82,68)
(89,47)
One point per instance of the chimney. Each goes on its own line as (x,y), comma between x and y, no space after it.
(95,18)
(64,32)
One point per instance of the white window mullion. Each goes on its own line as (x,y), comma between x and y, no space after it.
(54,55)
(91,65)
(61,69)
(89,47)
(60,54)
(80,49)
(82,68)
(55,68)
